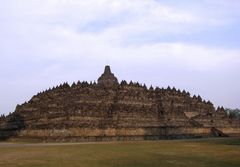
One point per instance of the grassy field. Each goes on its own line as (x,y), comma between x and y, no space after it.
(165,153)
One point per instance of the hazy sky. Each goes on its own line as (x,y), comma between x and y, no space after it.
(189,44)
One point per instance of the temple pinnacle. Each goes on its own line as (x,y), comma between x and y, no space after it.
(107,79)
(107,69)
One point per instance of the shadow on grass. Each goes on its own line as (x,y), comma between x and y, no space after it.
(222,141)
(230,141)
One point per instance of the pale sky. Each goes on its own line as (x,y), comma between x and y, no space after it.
(189,44)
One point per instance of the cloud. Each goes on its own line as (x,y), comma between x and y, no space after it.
(67,29)
(45,42)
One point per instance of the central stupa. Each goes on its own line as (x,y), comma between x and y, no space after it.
(107,79)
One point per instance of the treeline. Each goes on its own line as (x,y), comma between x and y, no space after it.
(233,113)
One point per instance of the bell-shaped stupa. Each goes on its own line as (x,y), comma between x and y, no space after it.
(107,79)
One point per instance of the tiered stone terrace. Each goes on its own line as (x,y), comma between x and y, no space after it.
(107,111)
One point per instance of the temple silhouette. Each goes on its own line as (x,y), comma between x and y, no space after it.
(110,110)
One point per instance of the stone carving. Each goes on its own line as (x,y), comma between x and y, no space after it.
(108,110)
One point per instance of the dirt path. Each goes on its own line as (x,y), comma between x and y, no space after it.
(12,144)
(8,144)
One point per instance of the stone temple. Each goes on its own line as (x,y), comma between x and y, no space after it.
(110,111)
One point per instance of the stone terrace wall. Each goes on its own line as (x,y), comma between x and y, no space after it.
(84,112)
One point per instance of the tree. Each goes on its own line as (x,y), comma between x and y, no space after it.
(233,113)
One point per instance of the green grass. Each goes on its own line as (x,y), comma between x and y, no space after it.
(166,153)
